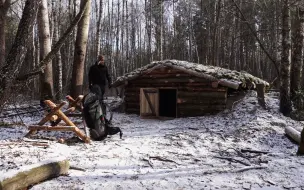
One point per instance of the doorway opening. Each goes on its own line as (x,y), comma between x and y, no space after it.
(167,102)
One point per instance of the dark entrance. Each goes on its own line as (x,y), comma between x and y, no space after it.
(167,102)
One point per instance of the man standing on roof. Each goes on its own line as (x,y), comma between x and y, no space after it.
(98,74)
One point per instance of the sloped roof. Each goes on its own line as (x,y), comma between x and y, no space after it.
(225,77)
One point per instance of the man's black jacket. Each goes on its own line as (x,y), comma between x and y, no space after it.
(98,74)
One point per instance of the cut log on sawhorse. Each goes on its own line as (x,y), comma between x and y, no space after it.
(56,112)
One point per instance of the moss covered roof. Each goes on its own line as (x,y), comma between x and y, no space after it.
(225,77)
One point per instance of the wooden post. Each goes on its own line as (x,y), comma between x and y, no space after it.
(261,95)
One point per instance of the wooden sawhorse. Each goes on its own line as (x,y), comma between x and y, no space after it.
(54,115)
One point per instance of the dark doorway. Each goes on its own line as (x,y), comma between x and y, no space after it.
(167,102)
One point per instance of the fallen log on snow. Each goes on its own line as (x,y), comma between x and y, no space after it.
(293,134)
(301,147)
(33,174)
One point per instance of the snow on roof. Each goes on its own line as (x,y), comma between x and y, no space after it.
(225,77)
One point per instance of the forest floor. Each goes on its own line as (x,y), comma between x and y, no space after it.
(186,153)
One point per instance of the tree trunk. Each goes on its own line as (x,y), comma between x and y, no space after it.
(4,6)
(18,51)
(58,66)
(46,80)
(297,62)
(2,37)
(98,37)
(217,12)
(80,51)
(285,103)
(56,47)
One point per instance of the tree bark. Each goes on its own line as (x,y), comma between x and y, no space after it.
(46,80)
(98,37)
(80,51)
(297,62)
(4,6)
(285,103)
(59,65)
(18,51)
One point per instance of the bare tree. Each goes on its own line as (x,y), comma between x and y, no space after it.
(59,67)
(56,47)
(46,80)
(4,6)
(98,33)
(285,103)
(17,53)
(297,62)
(80,51)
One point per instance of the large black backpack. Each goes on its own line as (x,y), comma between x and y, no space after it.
(92,114)
(94,117)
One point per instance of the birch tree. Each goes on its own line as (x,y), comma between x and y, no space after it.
(58,60)
(46,80)
(80,51)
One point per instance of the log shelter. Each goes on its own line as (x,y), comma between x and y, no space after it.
(173,88)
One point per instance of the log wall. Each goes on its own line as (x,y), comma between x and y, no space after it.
(195,96)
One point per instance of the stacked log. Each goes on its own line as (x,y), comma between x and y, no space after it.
(195,96)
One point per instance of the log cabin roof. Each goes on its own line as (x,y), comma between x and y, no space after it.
(225,77)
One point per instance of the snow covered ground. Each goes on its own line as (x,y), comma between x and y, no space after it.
(187,153)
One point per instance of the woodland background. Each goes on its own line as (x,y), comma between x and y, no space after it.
(262,37)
